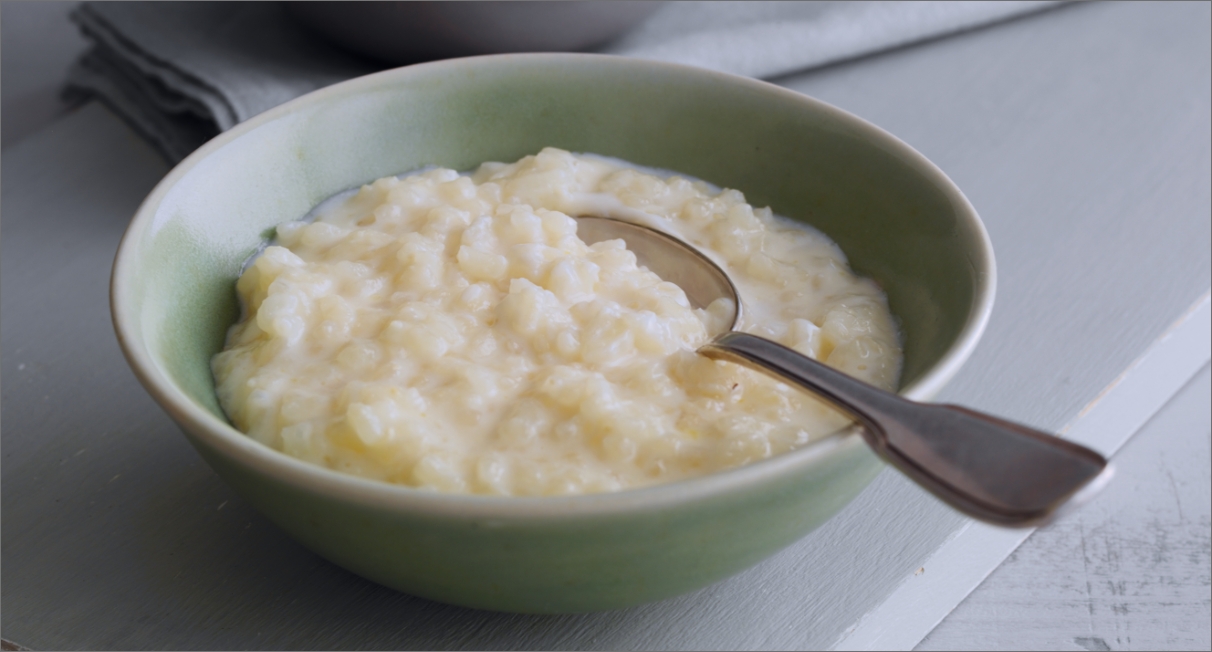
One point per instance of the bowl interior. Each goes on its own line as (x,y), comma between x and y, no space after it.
(896,217)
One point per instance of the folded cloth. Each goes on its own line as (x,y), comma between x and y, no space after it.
(769,39)
(180,73)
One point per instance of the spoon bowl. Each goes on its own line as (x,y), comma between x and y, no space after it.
(672,259)
(991,469)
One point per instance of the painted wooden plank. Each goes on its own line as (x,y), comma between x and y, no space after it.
(964,561)
(1130,571)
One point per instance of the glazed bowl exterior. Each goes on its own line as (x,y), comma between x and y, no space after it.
(897,217)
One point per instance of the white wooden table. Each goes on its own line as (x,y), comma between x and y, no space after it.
(1081,135)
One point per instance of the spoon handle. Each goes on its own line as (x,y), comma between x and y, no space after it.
(988,468)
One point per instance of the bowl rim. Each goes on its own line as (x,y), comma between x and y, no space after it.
(225,439)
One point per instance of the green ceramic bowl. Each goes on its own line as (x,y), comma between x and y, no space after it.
(898,218)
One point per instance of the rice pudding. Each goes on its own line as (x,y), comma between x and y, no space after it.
(451,332)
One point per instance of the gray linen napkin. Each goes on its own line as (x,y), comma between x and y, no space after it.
(180,73)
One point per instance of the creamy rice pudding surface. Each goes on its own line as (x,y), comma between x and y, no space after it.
(451,332)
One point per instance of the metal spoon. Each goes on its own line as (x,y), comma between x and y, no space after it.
(988,468)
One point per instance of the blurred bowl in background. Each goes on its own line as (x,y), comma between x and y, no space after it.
(407,32)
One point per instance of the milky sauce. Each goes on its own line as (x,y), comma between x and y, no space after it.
(451,332)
